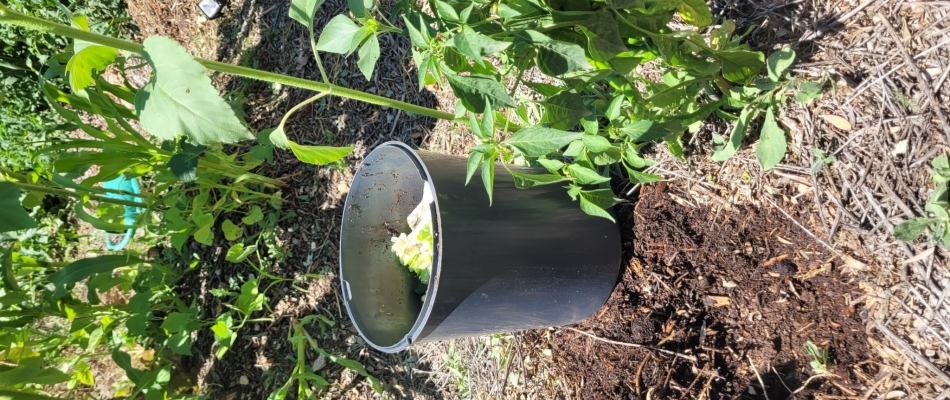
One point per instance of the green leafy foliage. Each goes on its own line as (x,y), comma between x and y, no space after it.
(303,11)
(180,100)
(341,35)
(819,363)
(771,147)
(938,209)
(15,218)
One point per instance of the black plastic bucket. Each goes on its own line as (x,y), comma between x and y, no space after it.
(533,259)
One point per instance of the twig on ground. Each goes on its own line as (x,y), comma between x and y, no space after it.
(672,353)
(923,361)
(808,381)
(836,252)
(765,392)
(922,80)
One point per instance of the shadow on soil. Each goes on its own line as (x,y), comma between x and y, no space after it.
(262,359)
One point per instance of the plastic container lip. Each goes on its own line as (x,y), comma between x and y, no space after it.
(432,289)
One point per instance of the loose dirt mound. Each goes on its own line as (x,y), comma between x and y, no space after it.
(726,291)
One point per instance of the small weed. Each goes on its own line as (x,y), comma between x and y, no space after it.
(937,207)
(819,363)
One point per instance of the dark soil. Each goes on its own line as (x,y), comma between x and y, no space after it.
(732,289)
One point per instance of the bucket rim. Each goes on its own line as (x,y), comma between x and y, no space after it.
(432,288)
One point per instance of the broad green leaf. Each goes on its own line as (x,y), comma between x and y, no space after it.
(253,216)
(340,35)
(551,165)
(586,176)
(604,41)
(808,91)
(695,13)
(359,7)
(911,229)
(446,11)
(596,144)
(419,38)
(15,216)
(184,166)
(544,89)
(536,141)
(575,148)
(736,137)
(124,361)
(476,90)
(610,156)
(354,366)
(941,169)
(740,66)
(614,107)
(84,66)
(319,155)
(204,235)
(779,62)
(644,131)
(180,343)
(141,308)
(83,374)
(82,269)
(31,370)
(564,110)
(369,54)
(238,253)
(231,231)
(475,45)
(488,175)
(596,202)
(221,329)
(178,322)
(525,180)
(771,148)
(625,62)
(250,299)
(632,157)
(303,11)
(642,177)
(556,58)
(180,100)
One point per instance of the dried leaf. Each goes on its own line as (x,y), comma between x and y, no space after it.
(919,257)
(837,122)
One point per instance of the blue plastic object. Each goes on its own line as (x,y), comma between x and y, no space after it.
(130,185)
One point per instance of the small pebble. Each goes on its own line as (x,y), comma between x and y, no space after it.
(243,380)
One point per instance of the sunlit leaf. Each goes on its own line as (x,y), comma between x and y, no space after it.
(771,147)
(180,99)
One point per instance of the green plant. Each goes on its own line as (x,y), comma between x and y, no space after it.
(309,382)
(590,49)
(769,95)
(819,363)
(937,206)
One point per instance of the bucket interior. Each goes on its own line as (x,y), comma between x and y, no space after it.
(380,293)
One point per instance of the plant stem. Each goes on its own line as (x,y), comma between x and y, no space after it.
(69,193)
(12,17)
(316,56)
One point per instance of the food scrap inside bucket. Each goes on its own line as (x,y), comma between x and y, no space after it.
(414,250)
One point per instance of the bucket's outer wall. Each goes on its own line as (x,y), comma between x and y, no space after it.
(532,259)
